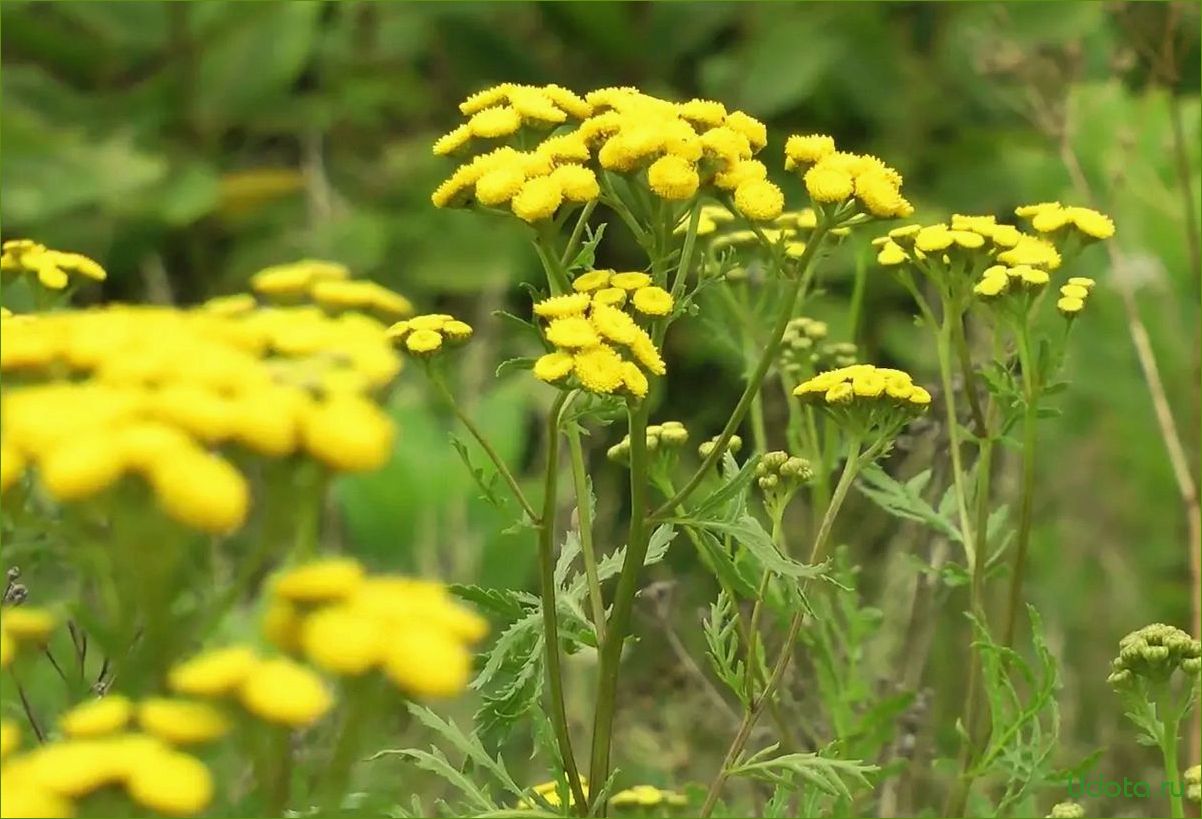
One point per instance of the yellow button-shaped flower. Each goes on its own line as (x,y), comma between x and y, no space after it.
(320,581)
(213,673)
(181,722)
(428,663)
(285,692)
(171,783)
(106,715)
(342,640)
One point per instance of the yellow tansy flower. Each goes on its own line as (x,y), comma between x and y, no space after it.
(181,722)
(653,301)
(673,178)
(572,332)
(285,692)
(538,199)
(201,491)
(27,623)
(592,280)
(629,281)
(563,306)
(599,369)
(348,433)
(426,663)
(553,367)
(213,673)
(171,783)
(342,640)
(759,200)
(106,715)
(10,738)
(332,578)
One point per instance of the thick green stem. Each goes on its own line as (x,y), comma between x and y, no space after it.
(569,252)
(584,513)
(817,554)
(1172,772)
(771,348)
(623,602)
(546,559)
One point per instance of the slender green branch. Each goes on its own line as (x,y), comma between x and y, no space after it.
(585,515)
(686,252)
(623,601)
(771,348)
(557,277)
(818,553)
(1026,502)
(546,559)
(437,379)
(944,342)
(569,252)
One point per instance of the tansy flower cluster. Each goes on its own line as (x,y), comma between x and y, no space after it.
(834,177)
(676,148)
(999,280)
(778,470)
(668,435)
(975,242)
(865,398)
(425,335)
(50,779)
(592,327)
(1073,296)
(94,395)
(348,623)
(328,284)
(52,269)
(1153,653)
(1056,219)
(803,348)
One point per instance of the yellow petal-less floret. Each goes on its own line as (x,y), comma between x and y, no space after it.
(563,306)
(427,663)
(578,183)
(320,581)
(598,369)
(759,200)
(629,281)
(634,380)
(499,185)
(181,722)
(498,121)
(342,640)
(201,491)
(106,715)
(27,624)
(673,178)
(423,342)
(348,433)
(572,332)
(170,783)
(750,127)
(538,199)
(212,673)
(613,296)
(553,367)
(284,692)
(82,468)
(451,142)
(613,324)
(827,184)
(807,150)
(652,301)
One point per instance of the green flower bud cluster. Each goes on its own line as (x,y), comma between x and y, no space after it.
(733,446)
(1154,652)
(1193,783)
(668,435)
(802,347)
(1066,810)
(778,470)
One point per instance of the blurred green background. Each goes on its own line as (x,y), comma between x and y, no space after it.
(186,145)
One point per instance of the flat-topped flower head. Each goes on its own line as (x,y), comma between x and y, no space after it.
(51,269)
(865,399)
(1056,220)
(426,335)
(1153,653)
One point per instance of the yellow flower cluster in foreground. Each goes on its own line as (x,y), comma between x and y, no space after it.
(48,780)
(1053,218)
(590,330)
(877,394)
(1073,295)
(674,149)
(51,268)
(349,623)
(328,284)
(425,335)
(94,395)
(834,177)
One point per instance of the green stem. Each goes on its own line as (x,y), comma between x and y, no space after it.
(1168,749)
(546,559)
(585,515)
(787,309)
(557,277)
(569,252)
(360,708)
(623,602)
(1027,496)
(944,342)
(759,433)
(817,554)
(686,253)
(470,425)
